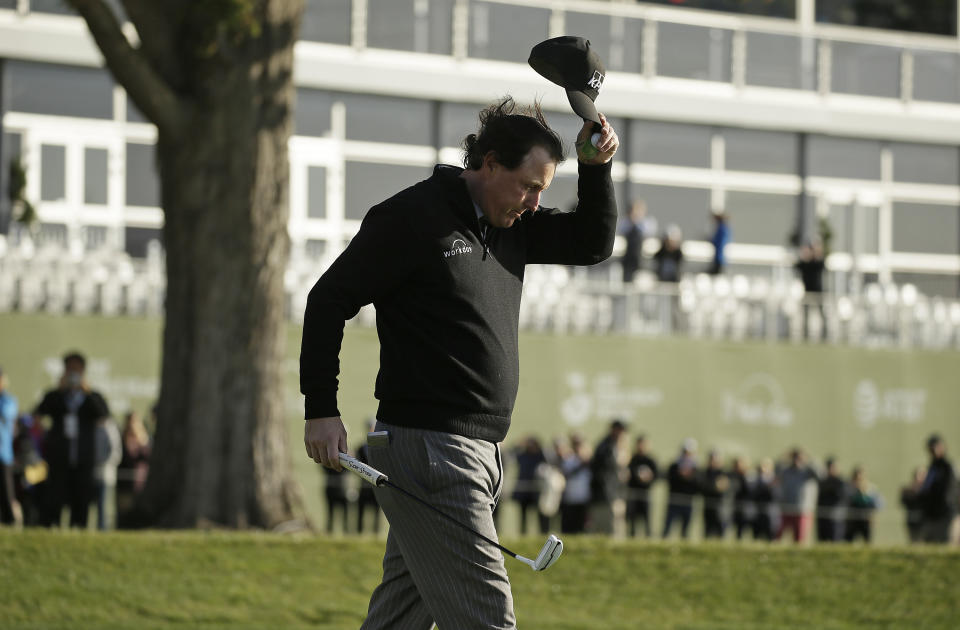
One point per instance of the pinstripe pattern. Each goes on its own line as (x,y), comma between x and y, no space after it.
(432,569)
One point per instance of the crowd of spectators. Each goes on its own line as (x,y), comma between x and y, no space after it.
(68,453)
(773,499)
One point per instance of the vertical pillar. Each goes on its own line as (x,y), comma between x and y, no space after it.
(801,228)
(806,13)
(358,24)
(461,26)
(5,208)
(648,56)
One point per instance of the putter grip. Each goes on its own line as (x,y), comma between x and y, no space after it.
(369,473)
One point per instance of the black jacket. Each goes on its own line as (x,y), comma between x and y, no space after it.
(56,444)
(447,301)
(938,497)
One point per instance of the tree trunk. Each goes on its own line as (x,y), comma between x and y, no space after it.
(220,451)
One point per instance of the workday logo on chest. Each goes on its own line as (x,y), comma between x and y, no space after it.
(459,247)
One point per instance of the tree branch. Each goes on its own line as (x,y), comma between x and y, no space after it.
(157,35)
(154,96)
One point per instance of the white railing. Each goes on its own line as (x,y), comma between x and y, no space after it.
(555,299)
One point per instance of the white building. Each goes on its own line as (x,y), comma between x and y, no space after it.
(772,121)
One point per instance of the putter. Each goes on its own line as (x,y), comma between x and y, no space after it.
(549,553)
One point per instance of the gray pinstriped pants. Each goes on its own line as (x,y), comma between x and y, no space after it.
(432,569)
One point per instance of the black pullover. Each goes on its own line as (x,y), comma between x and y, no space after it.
(447,301)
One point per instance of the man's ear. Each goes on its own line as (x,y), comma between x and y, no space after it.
(490,160)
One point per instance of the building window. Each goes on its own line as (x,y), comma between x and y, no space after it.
(369,184)
(762,151)
(53,172)
(688,208)
(670,143)
(926,164)
(865,69)
(902,15)
(855,229)
(38,88)
(409,120)
(936,76)
(95,176)
(327,21)
(315,249)
(505,32)
(456,121)
(424,26)
(781,61)
(694,52)
(137,239)
(926,228)
(562,193)
(316,192)
(311,112)
(143,184)
(760,218)
(843,157)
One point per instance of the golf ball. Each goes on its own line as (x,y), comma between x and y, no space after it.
(595,139)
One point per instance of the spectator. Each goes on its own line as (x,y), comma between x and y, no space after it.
(335,493)
(863,502)
(553,483)
(636,228)
(720,239)
(743,508)
(642,473)
(831,499)
(69,445)
(910,500)
(810,265)
(794,482)
(108,452)
(366,499)
(606,480)
(134,466)
(765,519)
(938,495)
(576,491)
(526,492)
(9,509)
(669,258)
(714,486)
(683,484)
(29,469)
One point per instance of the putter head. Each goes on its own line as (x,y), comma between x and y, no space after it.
(549,554)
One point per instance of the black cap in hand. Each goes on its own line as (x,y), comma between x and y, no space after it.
(570,63)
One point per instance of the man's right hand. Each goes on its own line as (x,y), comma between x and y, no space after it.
(325,439)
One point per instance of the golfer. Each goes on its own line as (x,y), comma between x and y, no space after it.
(443,263)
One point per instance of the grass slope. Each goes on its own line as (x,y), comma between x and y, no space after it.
(249,580)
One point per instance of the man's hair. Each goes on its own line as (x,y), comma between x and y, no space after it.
(75,356)
(510,131)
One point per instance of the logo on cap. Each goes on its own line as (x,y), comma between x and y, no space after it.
(596,82)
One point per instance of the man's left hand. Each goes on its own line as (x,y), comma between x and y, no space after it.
(606,147)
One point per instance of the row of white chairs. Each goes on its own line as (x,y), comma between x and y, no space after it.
(555,299)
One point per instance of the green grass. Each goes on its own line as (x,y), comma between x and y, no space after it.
(250,580)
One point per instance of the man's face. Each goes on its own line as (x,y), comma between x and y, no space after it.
(938,449)
(73,372)
(510,193)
